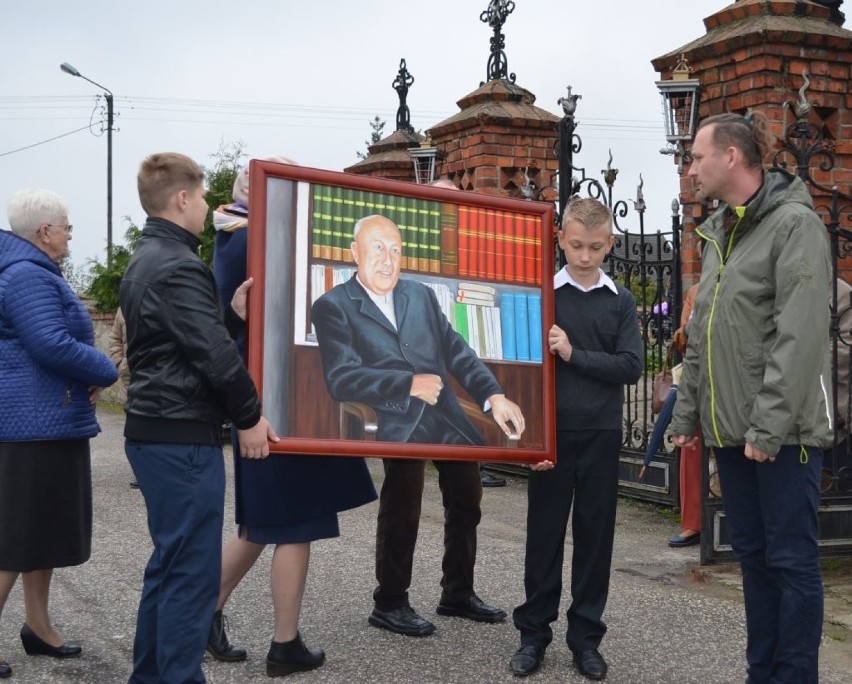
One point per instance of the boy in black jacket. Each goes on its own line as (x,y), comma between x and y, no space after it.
(186,377)
(598,347)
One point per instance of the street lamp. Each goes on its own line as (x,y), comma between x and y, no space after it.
(680,109)
(68,69)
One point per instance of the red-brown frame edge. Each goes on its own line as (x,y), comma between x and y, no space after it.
(260,172)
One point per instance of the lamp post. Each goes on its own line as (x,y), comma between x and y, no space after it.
(68,69)
(680,110)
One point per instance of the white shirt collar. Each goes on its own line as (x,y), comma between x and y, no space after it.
(384,302)
(562,277)
(378,299)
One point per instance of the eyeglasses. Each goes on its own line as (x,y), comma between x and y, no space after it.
(67,227)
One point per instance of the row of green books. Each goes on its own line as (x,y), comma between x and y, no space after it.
(442,238)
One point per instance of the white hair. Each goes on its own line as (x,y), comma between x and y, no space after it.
(30,208)
(361,221)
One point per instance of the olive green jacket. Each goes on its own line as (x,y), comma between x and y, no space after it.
(757,367)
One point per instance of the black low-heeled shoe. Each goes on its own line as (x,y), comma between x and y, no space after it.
(5,670)
(35,645)
(287,657)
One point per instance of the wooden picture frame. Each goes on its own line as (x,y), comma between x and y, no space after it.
(499,249)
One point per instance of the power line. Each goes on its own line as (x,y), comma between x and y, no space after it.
(255,109)
(249,113)
(43,142)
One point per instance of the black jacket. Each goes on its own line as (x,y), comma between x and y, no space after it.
(186,374)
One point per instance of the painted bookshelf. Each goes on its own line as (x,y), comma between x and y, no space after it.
(483,265)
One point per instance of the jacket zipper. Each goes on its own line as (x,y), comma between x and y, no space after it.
(723,259)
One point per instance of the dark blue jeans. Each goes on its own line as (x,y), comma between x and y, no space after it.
(771,509)
(184,490)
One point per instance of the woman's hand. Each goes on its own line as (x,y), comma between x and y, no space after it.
(239,302)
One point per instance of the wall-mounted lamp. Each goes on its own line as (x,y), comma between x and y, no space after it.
(425,160)
(680,109)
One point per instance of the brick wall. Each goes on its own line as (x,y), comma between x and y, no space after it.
(753,56)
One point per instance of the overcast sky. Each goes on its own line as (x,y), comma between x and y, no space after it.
(303,80)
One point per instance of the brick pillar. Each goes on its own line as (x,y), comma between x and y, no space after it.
(497,141)
(753,56)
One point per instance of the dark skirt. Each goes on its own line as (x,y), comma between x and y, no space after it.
(45,504)
(297,532)
(294,499)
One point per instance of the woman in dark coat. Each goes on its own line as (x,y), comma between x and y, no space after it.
(50,378)
(288,501)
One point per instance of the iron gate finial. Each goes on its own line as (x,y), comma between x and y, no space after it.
(401,84)
(495,16)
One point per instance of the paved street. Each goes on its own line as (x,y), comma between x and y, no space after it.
(670,621)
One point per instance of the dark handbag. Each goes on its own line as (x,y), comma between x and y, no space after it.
(662,384)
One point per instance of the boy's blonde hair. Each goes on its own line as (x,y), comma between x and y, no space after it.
(163,175)
(589,212)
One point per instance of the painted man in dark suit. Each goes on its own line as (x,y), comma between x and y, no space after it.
(386,343)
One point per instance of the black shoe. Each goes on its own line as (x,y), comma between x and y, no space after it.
(35,645)
(286,657)
(679,541)
(527,659)
(489,480)
(590,663)
(401,621)
(5,670)
(217,641)
(473,608)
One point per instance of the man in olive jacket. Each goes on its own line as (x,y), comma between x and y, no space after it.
(757,380)
(186,377)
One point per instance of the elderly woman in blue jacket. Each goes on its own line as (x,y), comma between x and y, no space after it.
(50,378)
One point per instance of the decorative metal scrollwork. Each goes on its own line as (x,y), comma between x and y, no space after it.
(495,16)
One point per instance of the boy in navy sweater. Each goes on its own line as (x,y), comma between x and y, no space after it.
(598,350)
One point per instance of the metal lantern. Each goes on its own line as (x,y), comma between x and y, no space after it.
(680,109)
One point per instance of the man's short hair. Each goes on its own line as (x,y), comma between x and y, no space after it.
(750,134)
(30,208)
(163,175)
(589,212)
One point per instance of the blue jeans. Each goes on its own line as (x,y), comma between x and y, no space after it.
(771,509)
(184,490)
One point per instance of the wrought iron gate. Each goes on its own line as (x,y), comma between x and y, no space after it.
(648,264)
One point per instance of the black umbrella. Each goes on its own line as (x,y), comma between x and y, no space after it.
(663,420)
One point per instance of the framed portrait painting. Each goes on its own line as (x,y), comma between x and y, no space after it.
(393,319)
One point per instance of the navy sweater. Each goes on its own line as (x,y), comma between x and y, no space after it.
(604,330)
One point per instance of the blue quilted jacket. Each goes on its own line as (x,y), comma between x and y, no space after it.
(47,357)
